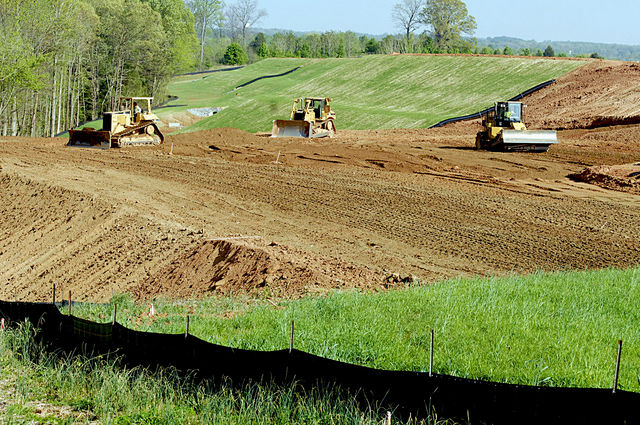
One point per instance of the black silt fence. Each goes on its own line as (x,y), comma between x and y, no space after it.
(268,76)
(412,393)
(483,112)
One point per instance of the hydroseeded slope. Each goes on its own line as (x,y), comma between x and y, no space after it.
(371,92)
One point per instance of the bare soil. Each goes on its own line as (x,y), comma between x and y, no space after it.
(230,212)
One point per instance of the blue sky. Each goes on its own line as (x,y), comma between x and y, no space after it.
(614,21)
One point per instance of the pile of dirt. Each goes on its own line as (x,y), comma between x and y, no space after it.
(624,178)
(251,266)
(601,93)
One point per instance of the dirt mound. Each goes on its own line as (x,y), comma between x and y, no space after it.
(624,178)
(239,266)
(601,93)
(207,141)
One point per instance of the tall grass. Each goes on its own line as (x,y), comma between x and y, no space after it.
(558,329)
(99,389)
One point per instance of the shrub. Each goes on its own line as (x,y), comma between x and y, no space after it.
(235,55)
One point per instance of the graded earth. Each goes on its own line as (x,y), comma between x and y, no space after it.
(229,212)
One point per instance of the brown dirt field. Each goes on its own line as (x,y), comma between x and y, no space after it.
(367,209)
(599,94)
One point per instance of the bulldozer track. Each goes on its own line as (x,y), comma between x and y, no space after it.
(134,130)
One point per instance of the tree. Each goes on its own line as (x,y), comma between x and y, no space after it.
(525,52)
(258,41)
(448,20)
(406,16)
(486,50)
(179,27)
(244,14)
(207,14)
(508,51)
(371,46)
(425,43)
(548,52)
(340,53)
(235,55)
(263,51)
(305,50)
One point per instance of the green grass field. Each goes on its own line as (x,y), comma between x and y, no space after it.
(558,329)
(370,92)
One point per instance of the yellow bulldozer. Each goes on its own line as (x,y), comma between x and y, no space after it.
(130,125)
(310,117)
(504,130)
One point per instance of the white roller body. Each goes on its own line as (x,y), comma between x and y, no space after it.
(530,137)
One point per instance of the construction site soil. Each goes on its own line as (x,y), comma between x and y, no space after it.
(228,212)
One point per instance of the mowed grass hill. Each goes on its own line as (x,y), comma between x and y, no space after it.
(369,92)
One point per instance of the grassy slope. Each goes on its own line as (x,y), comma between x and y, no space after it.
(370,92)
(556,329)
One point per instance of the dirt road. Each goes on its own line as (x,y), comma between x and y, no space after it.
(367,209)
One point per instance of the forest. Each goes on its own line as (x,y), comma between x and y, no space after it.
(63,62)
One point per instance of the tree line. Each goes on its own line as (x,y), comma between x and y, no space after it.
(448,28)
(64,62)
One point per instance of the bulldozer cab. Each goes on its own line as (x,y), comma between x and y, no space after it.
(506,113)
(135,107)
(318,106)
(310,108)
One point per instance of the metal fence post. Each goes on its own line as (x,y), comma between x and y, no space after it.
(615,379)
(291,338)
(431,355)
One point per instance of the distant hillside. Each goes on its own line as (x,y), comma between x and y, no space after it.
(371,92)
(571,48)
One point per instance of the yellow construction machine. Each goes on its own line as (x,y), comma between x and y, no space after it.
(130,125)
(504,130)
(310,117)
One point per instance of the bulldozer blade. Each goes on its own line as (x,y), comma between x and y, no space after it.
(291,128)
(528,140)
(89,138)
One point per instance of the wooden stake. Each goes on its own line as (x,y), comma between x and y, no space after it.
(186,332)
(387,420)
(54,294)
(431,355)
(291,339)
(69,314)
(115,310)
(615,379)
